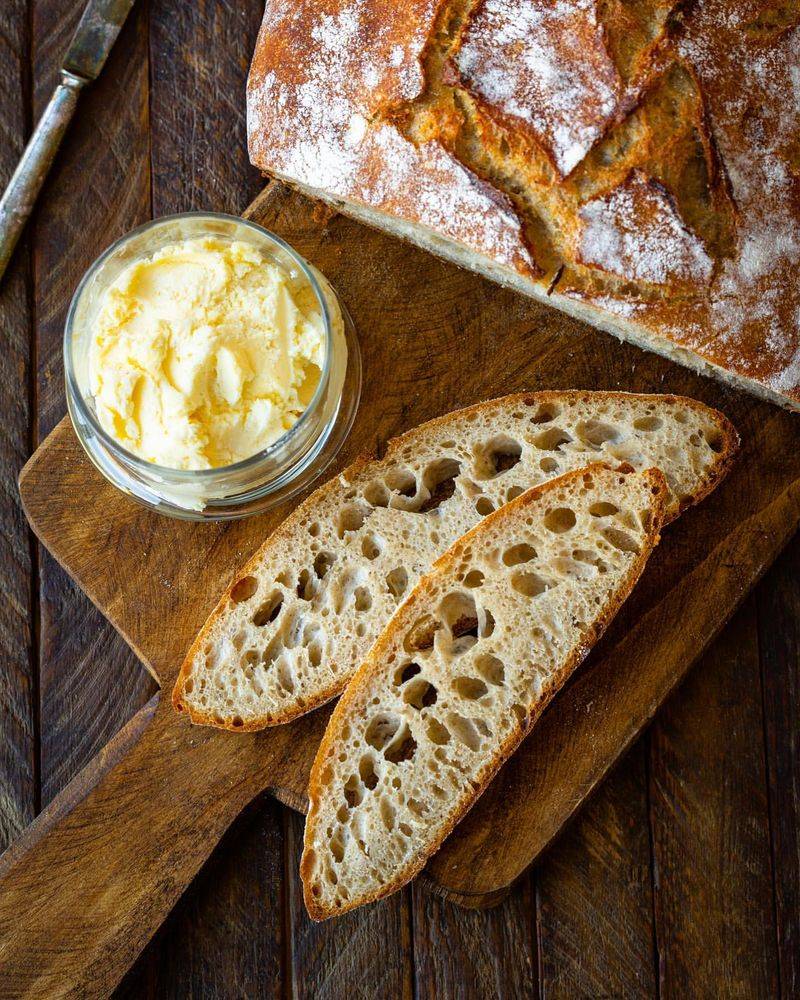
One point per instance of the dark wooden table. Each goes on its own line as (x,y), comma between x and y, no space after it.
(680,879)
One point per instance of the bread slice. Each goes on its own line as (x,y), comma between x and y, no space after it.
(302,614)
(462,671)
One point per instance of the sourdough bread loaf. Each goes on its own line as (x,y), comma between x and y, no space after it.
(301,616)
(462,671)
(633,164)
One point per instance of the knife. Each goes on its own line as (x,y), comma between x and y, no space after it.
(93,39)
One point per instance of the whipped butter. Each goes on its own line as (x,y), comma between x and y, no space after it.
(204,353)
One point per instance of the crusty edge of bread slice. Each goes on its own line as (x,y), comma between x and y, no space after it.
(727,454)
(462,806)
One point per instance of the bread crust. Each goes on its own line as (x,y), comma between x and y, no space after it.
(401,620)
(395,114)
(728,448)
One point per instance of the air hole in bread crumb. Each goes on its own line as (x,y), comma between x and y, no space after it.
(715,439)
(269,610)
(403,746)
(497,456)
(376,495)
(548,465)
(371,547)
(517,554)
(397,581)
(648,424)
(337,850)
(439,479)
(459,613)
(314,529)
(367,773)
(285,676)
(551,439)
(474,579)
(382,730)
(388,814)
(470,688)
(405,829)
(244,589)
(464,730)
(420,694)
(419,809)
(491,669)
(306,585)
(420,636)
(544,414)
(596,433)
(529,584)
(484,506)
(559,520)
(351,518)
(405,673)
(437,733)
(323,562)
(353,795)
(513,492)
(402,481)
(603,509)
(621,540)
(363,599)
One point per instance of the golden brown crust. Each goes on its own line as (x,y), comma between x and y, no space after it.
(641,158)
(728,449)
(403,619)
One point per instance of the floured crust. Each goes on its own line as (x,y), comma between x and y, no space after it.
(633,164)
(695,444)
(423,598)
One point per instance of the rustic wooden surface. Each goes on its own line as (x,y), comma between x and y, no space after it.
(680,877)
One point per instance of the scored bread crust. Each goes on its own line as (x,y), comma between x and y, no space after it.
(727,448)
(403,620)
(594,157)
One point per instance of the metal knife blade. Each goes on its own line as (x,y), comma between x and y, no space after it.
(95,36)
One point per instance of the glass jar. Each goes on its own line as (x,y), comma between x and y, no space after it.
(268,477)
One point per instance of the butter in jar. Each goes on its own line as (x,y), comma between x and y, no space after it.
(204,353)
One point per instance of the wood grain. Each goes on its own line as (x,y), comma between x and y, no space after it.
(594,885)
(778,602)
(18,717)
(711,828)
(225,938)
(462,952)
(719,548)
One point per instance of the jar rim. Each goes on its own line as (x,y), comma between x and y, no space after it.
(194,475)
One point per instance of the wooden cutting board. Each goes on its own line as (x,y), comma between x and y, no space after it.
(92,879)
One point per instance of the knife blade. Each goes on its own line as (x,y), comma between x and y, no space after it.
(95,36)
(93,40)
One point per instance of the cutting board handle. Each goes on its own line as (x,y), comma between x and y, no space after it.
(95,875)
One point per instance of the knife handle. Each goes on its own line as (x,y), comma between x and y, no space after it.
(20,196)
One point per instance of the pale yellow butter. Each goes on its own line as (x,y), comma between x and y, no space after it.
(204,354)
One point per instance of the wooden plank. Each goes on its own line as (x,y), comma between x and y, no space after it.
(366,953)
(594,895)
(778,602)
(225,938)
(90,684)
(471,953)
(200,53)
(714,894)
(18,750)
